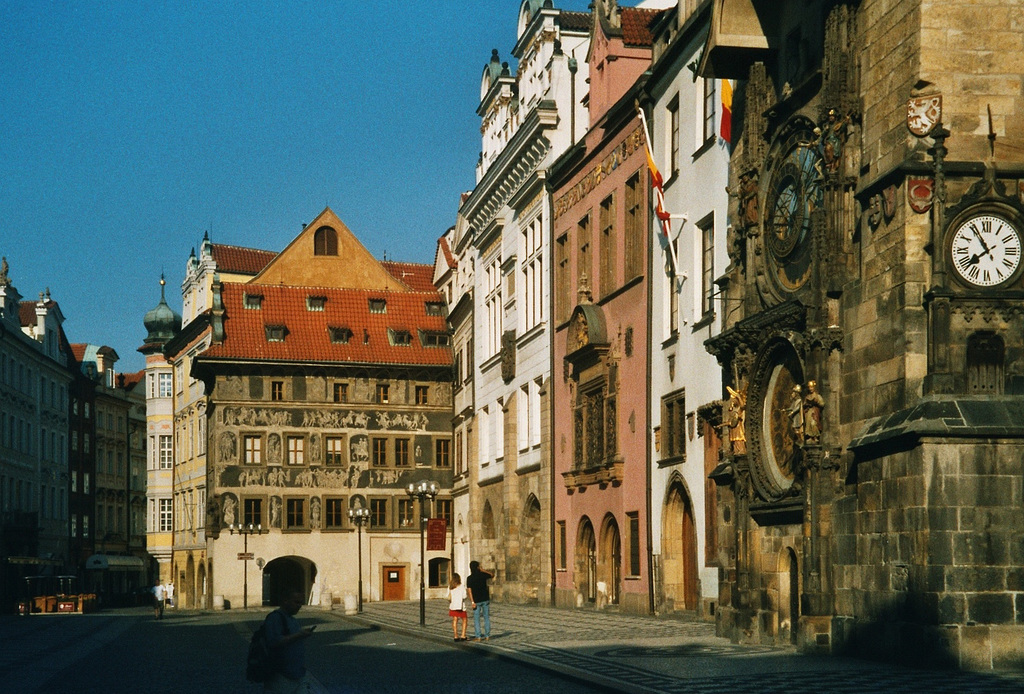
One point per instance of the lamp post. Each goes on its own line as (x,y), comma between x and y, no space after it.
(422,491)
(360,516)
(245,530)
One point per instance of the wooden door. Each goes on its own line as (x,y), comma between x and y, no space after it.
(394,583)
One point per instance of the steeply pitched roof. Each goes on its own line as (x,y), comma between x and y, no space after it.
(307,335)
(636,26)
(239,260)
(449,259)
(574,21)
(419,277)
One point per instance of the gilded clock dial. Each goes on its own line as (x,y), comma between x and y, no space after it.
(795,192)
(986,250)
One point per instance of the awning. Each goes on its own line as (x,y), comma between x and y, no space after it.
(36,561)
(114,562)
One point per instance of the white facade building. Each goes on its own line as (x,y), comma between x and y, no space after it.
(530,116)
(684,116)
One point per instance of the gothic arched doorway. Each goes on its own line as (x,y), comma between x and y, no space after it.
(586,562)
(609,572)
(530,559)
(679,550)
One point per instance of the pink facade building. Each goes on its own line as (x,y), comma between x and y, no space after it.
(601,389)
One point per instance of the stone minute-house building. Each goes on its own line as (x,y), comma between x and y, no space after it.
(878,335)
(328,377)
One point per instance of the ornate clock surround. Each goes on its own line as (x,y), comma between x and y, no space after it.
(775,454)
(793,203)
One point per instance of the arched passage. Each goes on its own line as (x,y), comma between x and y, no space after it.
(586,561)
(530,543)
(609,568)
(284,574)
(679,550)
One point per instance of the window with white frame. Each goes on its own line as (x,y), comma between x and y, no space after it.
(535,413)
(166,385)
(166,515)
(523,418)
(673,136)
(166,452)
(707,270)
(707,112)
(492,301)
(533,275)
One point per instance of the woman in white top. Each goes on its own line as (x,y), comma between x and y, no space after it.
(457,606)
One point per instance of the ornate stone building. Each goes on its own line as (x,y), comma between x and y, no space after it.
(875,293)
(328,376)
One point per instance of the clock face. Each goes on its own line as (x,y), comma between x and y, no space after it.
(794,193)
(985,250)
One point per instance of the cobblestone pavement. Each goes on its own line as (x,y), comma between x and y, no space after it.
(648,654)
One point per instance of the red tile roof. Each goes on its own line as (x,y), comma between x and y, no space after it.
(307,338)
(27,311)
(419,277)
(78,350)
(449,259)
(130,380)
(636,26)
(243,261)
(574,21)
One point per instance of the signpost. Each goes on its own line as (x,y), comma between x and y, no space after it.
(246,556)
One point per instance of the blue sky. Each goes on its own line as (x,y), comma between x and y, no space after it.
(127,129)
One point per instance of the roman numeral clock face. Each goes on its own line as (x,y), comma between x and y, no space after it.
(985,250)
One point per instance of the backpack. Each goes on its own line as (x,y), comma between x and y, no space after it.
(261,664)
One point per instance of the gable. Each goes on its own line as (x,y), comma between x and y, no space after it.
(327,254)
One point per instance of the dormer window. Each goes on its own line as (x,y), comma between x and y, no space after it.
(401,338)
(435,308)
(275,333)
(315,303)
(378,306)
(340,336)
(434,339)
(253,301)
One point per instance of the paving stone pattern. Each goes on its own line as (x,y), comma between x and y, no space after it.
(649,654)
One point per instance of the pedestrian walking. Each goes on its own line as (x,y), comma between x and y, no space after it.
(480,598)
(457,606)
(159,595)
(169,590)
(286,640)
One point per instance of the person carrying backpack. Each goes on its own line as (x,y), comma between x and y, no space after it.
(287,648)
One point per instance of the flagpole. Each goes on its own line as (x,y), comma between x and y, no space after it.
(664,218)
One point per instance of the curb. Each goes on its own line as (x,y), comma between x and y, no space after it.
(489,650)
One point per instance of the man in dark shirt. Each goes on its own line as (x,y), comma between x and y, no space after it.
(287,644)
(480,598)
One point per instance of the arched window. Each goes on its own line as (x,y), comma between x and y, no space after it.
(325,241)
(487,522)
(440,572)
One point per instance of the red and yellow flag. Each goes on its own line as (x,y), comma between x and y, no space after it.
(726,128)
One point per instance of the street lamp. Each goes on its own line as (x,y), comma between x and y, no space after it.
(422,491)
(245,530)
(360,516)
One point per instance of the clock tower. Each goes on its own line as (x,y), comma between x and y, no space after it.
(874,336)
